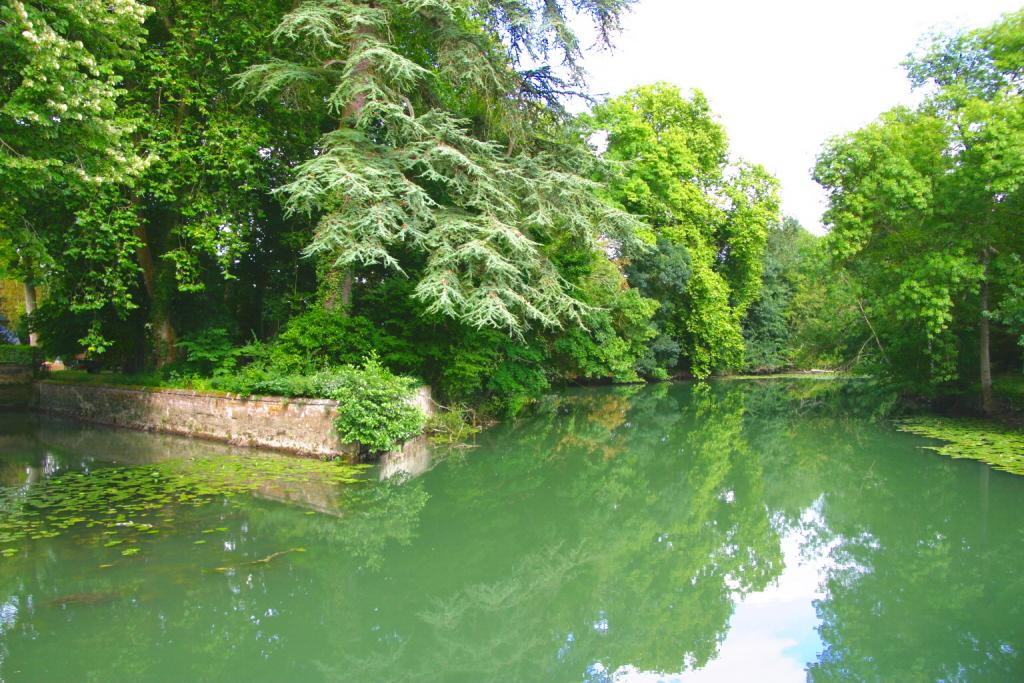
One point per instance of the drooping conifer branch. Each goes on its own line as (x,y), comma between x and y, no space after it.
(403,172)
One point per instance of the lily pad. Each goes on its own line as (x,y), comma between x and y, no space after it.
(140,500)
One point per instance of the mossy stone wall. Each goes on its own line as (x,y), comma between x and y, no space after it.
(15,386)
(298,425)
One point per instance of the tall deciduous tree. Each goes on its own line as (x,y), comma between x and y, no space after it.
(709,219)
(924,204)
(203,208)
(61,136)
(152,257)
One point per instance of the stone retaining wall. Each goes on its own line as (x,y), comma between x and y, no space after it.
(298,425)
(15,386)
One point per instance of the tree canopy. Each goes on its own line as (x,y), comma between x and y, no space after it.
(923,206)
(407,169)
(196,188)
(707,219)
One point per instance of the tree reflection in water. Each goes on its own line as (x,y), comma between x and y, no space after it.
(624,525)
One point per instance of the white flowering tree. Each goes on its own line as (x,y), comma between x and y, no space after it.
(61,138)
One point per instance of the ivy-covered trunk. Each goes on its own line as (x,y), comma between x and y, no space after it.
(159,304)
(338,280)
(987,398)
(336,286)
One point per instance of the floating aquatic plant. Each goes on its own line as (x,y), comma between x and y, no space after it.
(999,446)
(127,502)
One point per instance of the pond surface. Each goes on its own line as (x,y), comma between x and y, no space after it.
(766,531)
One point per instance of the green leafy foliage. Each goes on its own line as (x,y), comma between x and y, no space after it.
(183,205)
(17,353)
(321,338)
(1010,310)
(250,196)
(613,343)
(495,373)
(292,187)
(61,73)
(406,171)
(991,443)
(67,141)
(923,213)
(373,406)
(772,331)
(210,352)
(518,378)
(709,221)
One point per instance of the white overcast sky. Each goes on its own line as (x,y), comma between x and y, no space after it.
(783,76)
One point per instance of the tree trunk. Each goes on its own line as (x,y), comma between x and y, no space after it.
(346,290)
(360,71)
(337,295)
(30,307)
(166,338)
(987,398)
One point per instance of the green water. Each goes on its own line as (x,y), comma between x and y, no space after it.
(747,531)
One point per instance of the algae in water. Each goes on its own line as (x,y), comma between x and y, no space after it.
(127,502)
(999,446)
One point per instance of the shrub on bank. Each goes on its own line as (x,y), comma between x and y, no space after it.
(373,403)
(21,354)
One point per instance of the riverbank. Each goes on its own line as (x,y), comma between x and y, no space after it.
(299,425)
(791,374)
